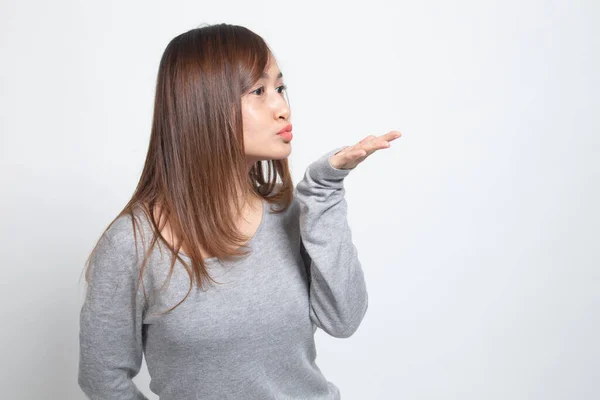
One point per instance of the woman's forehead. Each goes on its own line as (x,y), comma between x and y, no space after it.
(272,71)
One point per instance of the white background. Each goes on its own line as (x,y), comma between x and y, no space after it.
(477,230)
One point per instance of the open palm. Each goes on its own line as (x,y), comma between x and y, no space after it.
(349,157)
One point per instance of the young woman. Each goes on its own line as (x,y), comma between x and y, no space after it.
(221,292)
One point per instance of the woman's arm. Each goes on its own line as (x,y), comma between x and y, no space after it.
(338,293)
(110,336)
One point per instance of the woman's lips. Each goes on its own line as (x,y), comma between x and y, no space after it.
(286,135)
(288,127)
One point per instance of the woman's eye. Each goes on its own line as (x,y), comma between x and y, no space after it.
(261,89)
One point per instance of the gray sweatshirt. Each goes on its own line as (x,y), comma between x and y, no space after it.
(249,337)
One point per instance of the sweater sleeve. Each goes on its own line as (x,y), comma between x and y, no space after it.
(110,335)
(338,293)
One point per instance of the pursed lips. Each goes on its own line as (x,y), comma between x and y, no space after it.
(287,128)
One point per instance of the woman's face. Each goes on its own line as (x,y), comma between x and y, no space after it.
(264,113)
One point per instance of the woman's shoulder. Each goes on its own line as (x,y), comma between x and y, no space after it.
(128,231)
(115,258)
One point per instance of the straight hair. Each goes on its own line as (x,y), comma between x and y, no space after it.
(195,167)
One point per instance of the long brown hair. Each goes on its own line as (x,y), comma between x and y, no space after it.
(195,169)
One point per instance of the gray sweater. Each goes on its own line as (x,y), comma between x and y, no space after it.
(252,336)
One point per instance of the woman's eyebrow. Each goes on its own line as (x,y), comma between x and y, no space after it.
(266,76)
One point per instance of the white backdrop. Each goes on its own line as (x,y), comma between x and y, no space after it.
(477,230)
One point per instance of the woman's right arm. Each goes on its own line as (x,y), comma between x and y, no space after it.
(110,335)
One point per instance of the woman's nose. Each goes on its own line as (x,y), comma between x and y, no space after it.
(283,110)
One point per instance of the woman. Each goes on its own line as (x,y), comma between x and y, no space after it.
(222,293)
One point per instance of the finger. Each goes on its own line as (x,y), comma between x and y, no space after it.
(356,153)
(381,142)
(371,144)
(391,135)
(365,140)
(358,146)
(374,145)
